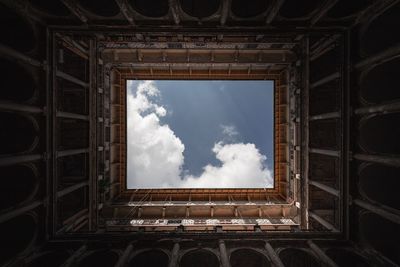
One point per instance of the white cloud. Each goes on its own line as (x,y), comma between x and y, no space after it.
(242,166)
(156,158)
(229,130)
(155,154)
(161,111)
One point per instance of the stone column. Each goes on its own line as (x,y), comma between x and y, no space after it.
(224,255)
(276,261)
(124,258)
(174,256)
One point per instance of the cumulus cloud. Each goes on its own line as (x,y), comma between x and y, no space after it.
(155,153)
(242,166)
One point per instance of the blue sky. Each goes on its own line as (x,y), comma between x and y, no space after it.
(201,133)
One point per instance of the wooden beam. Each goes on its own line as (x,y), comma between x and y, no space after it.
(72,188)
(327,152)
(324,46)
(74,8)
(325,80)
(325,188)
(10,52)
(273,255)
(19,159)
(382,109)
(74,257)
(71,78)
(224,255)
(15,212)
(330,115)
(70,152)
(326,5)
(68,115)
(128,14)
(305,92)
(322,221)
(387,160)
(19,107)
(385,55)
(125,256)
(174,255)
(321,254)
(381,211)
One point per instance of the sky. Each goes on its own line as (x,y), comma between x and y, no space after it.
(199,134)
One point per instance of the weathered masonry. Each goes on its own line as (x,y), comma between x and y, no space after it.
(335,66)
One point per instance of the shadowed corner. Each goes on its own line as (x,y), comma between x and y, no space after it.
(66,119)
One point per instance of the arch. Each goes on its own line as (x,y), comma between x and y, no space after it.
(383,28)
(16,31)
(198,258)
(99,258)
(104,8)
(345,8)
(150,258)
(200,8)
(56,8)
(292,257)
(298,9)
(380,134)
(17,235)
(153,9)
(381,234)
(380,183)
(248,258)
(16,83)
(19,134)
(19,184)
(345,257)
(383,76)
(49,258)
